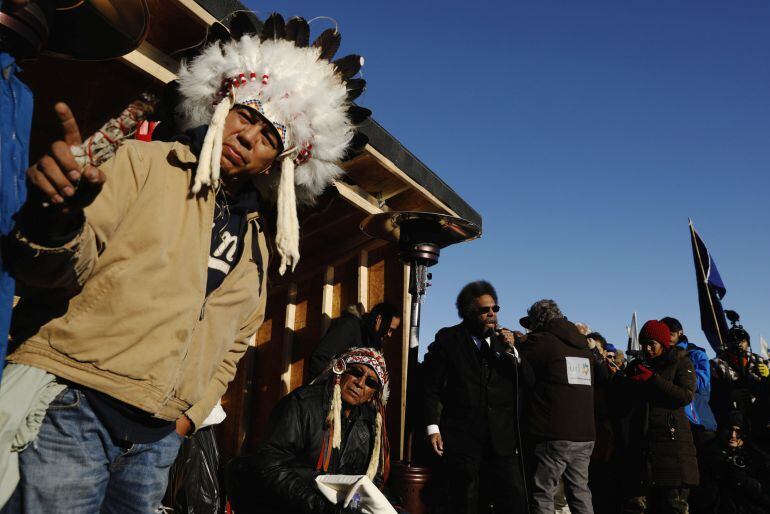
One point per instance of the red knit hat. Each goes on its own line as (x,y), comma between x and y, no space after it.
(658,331)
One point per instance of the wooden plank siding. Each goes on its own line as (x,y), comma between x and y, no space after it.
(295,320)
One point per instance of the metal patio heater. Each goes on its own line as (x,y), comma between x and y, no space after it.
(419,236)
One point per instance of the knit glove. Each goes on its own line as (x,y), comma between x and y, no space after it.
(764,371)
(643,374)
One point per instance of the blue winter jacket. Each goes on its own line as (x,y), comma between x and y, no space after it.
(15,126)
(699,412)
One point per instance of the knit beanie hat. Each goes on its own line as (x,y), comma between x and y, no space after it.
(658,331)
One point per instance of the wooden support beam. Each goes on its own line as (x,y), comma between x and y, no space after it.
(327,299)
(363,279)
(406,318)
(288,337)
(153,62)
(359,198)
(196,10)
(392,168)
(384,196)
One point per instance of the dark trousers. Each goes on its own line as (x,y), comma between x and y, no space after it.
(658,500)
(701,498)
(605,481)
(474,482)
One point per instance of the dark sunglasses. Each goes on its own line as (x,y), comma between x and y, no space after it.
(487,310)
(371,382)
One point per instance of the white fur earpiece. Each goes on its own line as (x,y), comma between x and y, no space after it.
(211,151)
(374,462)
(287,229)
(336,409)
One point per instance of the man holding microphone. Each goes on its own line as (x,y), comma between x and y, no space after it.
(472,375)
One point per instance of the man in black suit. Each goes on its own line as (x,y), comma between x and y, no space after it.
(472,376)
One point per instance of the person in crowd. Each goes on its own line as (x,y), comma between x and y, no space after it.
(15,124)
(559,418)
(604,471)
(620,359)
(583,328)
(142,281)
(659,455)
(472,375)
(702,420)
(735,478)
(699,412)
(26,29)
(597,343)
(355,329)
(334,426)
(739,377)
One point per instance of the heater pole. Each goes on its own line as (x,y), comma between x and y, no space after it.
(419,237)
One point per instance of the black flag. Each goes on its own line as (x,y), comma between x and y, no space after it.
(711,290)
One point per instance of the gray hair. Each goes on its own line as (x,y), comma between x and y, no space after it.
(543,311)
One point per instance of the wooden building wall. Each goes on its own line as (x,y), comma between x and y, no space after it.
(298,313)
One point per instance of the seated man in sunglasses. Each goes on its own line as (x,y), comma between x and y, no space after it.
(333,426)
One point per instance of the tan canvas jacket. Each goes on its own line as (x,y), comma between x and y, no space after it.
(121,308)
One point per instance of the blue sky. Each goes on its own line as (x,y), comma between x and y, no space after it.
(585,133)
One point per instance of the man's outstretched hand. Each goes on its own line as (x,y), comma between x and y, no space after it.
(57,178)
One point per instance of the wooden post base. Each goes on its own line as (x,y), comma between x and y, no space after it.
(408,483)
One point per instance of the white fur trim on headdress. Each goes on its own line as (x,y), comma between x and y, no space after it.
(336,416)
(287,229)
(211,150)
(296,89)
(374,461)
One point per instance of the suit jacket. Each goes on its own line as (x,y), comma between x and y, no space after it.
(472,394)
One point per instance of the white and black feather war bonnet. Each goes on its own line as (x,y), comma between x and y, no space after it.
(298,88)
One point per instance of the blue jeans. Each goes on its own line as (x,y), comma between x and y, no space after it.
(74,466)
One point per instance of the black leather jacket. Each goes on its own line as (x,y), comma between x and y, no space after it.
(279,477)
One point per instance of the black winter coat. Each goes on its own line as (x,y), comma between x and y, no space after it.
(280,477)
(472,395)
(560,406)
(345,332)
(656,442)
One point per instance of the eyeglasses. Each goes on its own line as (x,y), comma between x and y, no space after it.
(488,310)
(371,382)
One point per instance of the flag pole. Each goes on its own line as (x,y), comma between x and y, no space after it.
(706,282)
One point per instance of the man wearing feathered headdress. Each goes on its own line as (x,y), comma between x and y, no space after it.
(334,426)
(143,280)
